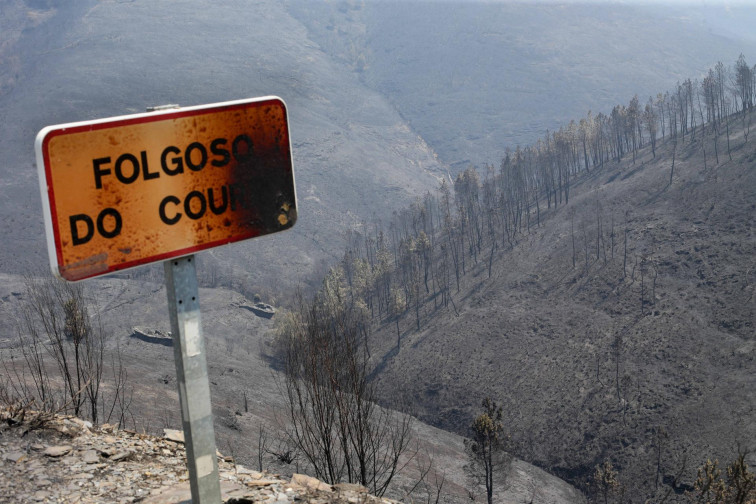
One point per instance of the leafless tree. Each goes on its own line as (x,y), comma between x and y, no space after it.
(122,393)
(262,446)
(428,481)
(650,120)
(335,422)
(63,365)
(572,233)
(743,81)
(55,318)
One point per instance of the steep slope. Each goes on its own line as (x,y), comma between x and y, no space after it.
(475,77)
(354,155)
(245,390)
(647,362)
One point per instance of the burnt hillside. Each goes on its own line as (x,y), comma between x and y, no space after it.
(621,328)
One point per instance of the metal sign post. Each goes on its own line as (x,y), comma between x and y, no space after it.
(192,378)
(131,190)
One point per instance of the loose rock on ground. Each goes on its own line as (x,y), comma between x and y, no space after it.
(62,459)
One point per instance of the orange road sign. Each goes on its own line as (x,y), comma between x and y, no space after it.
(131,190)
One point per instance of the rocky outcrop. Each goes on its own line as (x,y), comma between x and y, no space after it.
(47,458)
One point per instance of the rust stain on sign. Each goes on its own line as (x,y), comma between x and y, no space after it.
(143,188)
